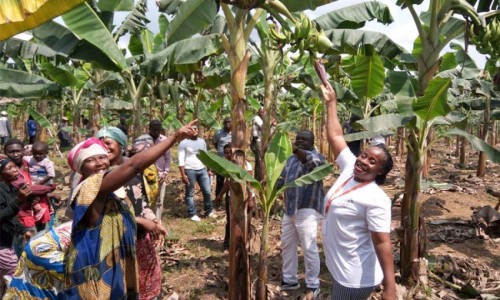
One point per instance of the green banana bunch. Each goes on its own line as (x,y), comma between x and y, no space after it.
(323,43)
(486,38)
(302,27)
(306,37)
(276,34)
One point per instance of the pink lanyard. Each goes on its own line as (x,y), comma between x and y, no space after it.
(335,195)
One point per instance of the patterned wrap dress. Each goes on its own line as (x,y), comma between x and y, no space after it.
(101,261)
(40,270)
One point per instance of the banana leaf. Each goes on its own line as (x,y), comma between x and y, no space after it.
(434,102)
(315,175)
(177,53)
(478,144)
(19,84)
(367,78)
(135,21)
(298,6)
(348,41)
(41,120)
(85,24)
(191,18)
(355,16)
(280,148)
(227,169)
(115,5)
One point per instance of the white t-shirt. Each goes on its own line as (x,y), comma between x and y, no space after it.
(187,153)
(350,255)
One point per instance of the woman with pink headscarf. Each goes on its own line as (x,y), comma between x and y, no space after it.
(101,261)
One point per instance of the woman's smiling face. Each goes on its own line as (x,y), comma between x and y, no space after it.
(369,164)
(114,148)
(95,164)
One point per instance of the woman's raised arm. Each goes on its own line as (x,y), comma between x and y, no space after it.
(334,130)
(139,162)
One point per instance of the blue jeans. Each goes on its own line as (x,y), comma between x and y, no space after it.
(200,176)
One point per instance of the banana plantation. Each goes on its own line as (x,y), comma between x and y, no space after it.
(211,59)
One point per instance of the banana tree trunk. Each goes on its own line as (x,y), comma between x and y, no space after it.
(135,94)
(42,109)
(239,58)
(322,132)
(494,133)
(268,67)
(96,114)
(239,254)
(410,213)
(76,122)
(481,164)
(428,156)
(261,292)
(463,144)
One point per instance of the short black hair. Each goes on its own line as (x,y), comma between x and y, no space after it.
(41,145)
(309,132)
(12,142)
(154,123)
(386,166)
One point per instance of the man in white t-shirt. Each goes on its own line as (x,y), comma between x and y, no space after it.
(357,219)
(256,141)
(192,171)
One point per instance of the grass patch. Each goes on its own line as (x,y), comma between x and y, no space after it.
(204,227)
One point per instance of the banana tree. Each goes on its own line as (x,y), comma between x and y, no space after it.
(280,149)
(483,39)
(76,80)
(436,28)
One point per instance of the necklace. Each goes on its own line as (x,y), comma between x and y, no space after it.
(336,193)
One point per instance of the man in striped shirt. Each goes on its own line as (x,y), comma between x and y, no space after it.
(303,211)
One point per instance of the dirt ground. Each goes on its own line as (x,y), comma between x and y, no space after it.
(196,266)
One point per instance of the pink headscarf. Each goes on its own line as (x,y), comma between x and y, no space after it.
(90,147)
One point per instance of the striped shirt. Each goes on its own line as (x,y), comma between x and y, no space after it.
(307,196)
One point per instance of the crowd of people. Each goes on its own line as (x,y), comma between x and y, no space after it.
(107,249)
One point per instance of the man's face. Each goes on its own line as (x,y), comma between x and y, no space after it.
(228,125)
(154,131)
(304,140)
(15,152)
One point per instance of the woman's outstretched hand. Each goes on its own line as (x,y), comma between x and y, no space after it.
(328,93)
(187,131)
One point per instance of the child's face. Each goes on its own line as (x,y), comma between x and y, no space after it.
(39,154)
(228,153)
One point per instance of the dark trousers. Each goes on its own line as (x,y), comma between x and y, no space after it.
(219,183)
(256,147)
(227,235)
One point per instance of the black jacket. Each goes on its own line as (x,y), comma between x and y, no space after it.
(9,223)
